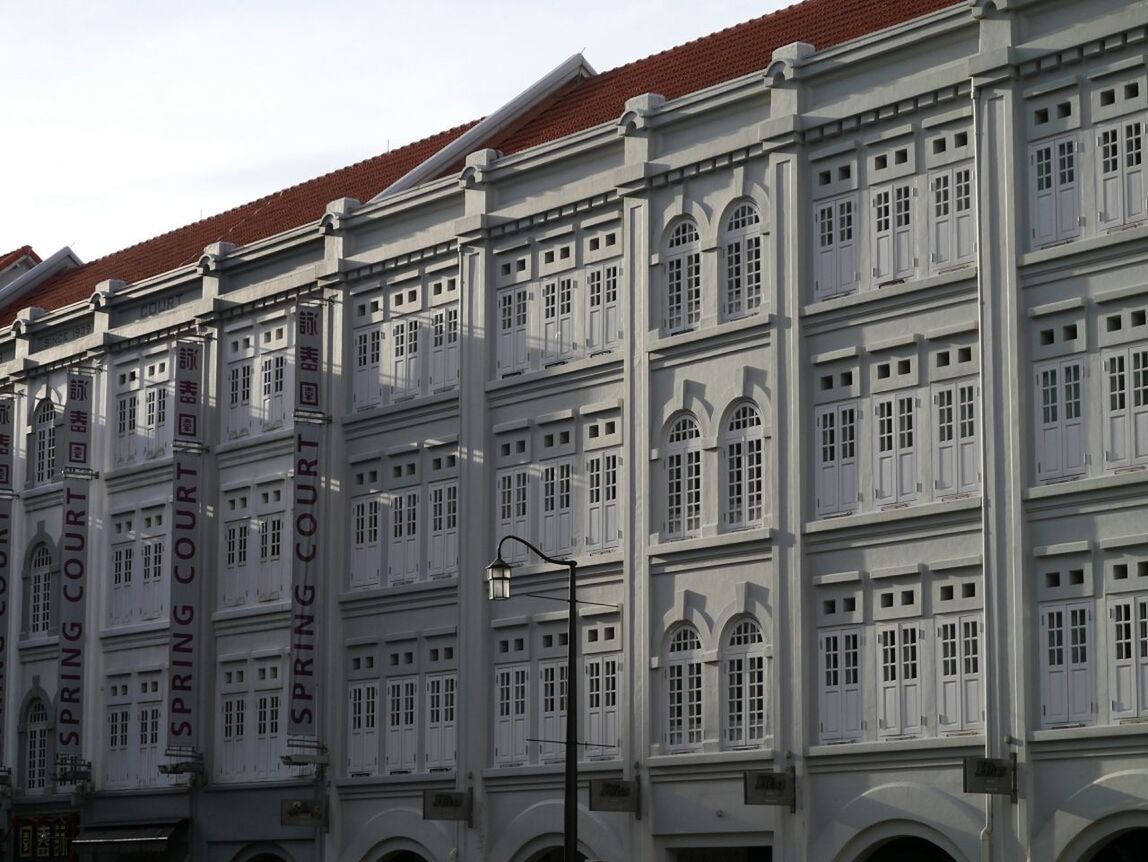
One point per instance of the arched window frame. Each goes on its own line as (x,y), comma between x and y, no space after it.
(743,468)
(743,685)
(685,695)
(683,478)
(40,604)
(36,745)
(42,444)
(742,264)
(682,269)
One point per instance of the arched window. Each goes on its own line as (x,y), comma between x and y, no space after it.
(743,453)
(40,591)
(36,747)
(742,248)
(43,459)
(683,479)
(743,686)
(683,267)
(684,691)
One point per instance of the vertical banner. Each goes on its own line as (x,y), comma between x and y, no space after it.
(5,579)
(306,548)
(184,644)
(74,567)
(7,424)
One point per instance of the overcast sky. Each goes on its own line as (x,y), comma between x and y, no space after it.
(123,119)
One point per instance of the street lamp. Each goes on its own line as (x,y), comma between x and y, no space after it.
(498,584)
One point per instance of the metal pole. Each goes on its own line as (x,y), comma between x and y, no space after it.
(572,680)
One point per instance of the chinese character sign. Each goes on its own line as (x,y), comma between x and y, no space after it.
(78,422)
(188,396)
(7,423)
(308,357)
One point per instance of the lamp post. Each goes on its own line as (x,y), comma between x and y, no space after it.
(498,582)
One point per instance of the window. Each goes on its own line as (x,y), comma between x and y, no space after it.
(366,549)
(743,457)
(684,703)
(952,231)
(402,725)
(602,526)
(117,765)
(683,278)
(603,673)
(127,414)
(553,686)
(444,348)
(250,729)
(957,457)
(240,369)
(274,383)
(557,320)
(406,365)
(1060,419)
(123,564)
(603,324)
(1067,689)
(891,229)
(742,248)
(36,747)
(836,458)
(368,379)
(513,330)
(1126,406)
(441,726)
(442,559)
(43,447)
(839,684)
(1120,173)
(155,434)
(743,686)
(511,686)
(404,561)
(899,707)
(683,479)
(363,728)
(40,592)
(557,506)
(835,264)
(960,700)
(895,450)
(1128,656)
(513,510)
(1055,190)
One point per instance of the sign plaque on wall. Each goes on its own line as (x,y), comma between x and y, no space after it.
(771,788)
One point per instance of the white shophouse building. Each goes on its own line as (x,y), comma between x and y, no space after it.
(820,343)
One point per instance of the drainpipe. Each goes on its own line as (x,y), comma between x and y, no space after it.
(987,669)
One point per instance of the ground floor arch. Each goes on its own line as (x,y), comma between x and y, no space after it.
(1125,846)
(906,848)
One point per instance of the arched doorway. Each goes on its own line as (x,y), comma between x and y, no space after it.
(906,849)
(403,856)
(1127,846)
(552,854)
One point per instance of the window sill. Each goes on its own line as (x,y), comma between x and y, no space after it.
(1085,484)
(493,774)
(592,362)
(402,404)
(1089,732)
(692,760)
(920,743)
(661,341)
(219,784)
(1099,242)
(42,646)
(368,785)
(914,510)
(895,289)
(263,438)
(159,624)
(729,539)
(246,611)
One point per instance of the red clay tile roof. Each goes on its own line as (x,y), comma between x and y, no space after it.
(581,104)
(722,56)
(11,257)
(261,218)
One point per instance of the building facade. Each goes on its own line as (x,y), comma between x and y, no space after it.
(830,370)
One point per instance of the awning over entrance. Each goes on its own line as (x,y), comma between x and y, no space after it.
(138,838)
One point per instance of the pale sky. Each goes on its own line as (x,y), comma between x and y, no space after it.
(123,119)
